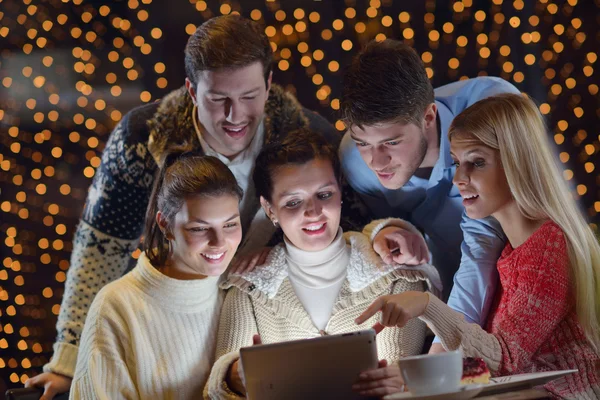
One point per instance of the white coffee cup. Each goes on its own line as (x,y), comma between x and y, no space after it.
(432,373)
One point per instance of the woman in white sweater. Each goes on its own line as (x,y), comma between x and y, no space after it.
(320,279)
(152,333)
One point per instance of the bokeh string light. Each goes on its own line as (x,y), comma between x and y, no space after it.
(70,69)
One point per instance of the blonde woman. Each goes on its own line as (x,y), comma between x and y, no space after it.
(547,312)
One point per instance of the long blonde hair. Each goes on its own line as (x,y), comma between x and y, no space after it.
(512,124)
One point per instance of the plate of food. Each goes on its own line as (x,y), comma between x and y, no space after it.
(503,384)
(475,371)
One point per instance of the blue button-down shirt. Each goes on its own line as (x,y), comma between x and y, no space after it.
(434,205)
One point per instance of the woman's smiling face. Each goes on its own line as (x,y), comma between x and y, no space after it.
(306,202)
(205,235)
(480,178)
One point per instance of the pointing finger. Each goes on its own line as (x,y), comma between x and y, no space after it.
(371,310)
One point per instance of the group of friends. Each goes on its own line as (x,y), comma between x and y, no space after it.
(439,210)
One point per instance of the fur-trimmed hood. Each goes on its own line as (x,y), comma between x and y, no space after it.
(365,268)
(172,127)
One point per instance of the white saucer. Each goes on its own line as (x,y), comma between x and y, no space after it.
(464,393)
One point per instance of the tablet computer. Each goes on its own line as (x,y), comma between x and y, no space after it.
(322,368)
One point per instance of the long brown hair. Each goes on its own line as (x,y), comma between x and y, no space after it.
(181,177)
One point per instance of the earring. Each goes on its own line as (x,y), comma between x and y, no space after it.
(275,223)
(342,202)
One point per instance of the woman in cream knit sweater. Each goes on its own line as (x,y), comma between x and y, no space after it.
(152,333)
(316,282)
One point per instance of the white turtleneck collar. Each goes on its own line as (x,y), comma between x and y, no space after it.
(318,269)
(185,295)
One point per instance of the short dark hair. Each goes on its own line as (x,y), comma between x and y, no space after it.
(386,82)
(297,148)
(182,176)
(228,41)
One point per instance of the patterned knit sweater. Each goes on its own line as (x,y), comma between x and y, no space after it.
(113,218)
(534,327)
(264,302)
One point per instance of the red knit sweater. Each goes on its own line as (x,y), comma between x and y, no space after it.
(535,320)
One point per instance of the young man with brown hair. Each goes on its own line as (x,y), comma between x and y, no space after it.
(396,155)
(228,109)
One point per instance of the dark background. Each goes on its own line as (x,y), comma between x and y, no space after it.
(69,69)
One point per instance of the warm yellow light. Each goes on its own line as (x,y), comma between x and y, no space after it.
(280,15)
(284,65)
(287,29)
(529,59)
(387,21)
(270,31)
(190,29)
(302,47)
(589,167)
(225,9)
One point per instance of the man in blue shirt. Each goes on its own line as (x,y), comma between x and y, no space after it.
(396,155)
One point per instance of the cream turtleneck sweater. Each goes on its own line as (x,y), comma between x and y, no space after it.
(148,336)
(317,276)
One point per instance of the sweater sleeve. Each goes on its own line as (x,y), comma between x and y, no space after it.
(101,371)
(236,328)
(538,303)
(372,229)
(454,332)
(108,232)
(408,340)
(103,378)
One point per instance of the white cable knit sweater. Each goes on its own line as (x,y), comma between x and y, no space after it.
(263,301)
(148,336)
